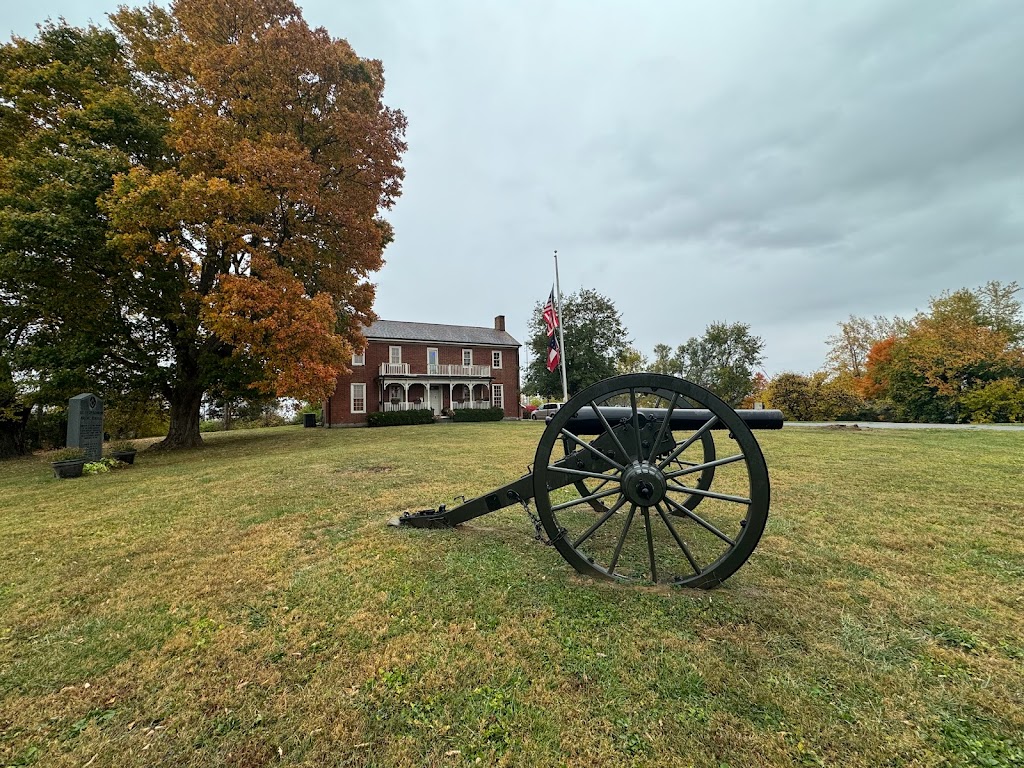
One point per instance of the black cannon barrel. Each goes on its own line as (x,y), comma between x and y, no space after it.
(586,422)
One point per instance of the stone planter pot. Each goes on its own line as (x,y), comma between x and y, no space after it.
(67,469)
(128,457)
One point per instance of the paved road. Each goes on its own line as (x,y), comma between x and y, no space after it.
(894,425)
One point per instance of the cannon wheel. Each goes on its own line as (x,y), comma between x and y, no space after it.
(707,476)
(637,538)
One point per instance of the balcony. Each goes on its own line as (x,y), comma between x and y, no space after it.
(441,371)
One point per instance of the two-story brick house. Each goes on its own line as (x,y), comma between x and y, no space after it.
(426,365)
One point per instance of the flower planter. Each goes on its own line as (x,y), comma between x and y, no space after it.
(67,469)
(128,457)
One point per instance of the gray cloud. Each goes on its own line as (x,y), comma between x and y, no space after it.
(783,164)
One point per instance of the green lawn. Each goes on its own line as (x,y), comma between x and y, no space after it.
(246,604)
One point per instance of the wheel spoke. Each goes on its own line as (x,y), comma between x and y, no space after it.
(664,427)
(679,541)
(622,539)
(700,521)
(706,465)
(688,442)
(580,473)
(609,430)
(708,494)
(650,543)
(584,499)
(636,424)
(593,450)
(601,521)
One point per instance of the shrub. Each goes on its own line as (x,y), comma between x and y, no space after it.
(211,425)
(66,454)
(121,446)
(1001,400)
(478,414)
(266,420)
(396,418)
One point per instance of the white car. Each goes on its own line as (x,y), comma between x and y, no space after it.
(544,411)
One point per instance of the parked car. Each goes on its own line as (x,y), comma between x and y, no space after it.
(544,411)
(528,411)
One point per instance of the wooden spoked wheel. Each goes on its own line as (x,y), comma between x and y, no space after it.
(631,516)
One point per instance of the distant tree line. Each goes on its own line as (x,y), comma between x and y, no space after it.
(962,360)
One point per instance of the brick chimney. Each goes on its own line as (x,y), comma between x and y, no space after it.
(499,323)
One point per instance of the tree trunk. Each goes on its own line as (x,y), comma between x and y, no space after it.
(12,435)
(184,431)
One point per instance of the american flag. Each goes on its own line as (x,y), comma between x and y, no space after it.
(551,319)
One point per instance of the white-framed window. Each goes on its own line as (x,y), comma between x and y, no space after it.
(431,355)
(497,395)
(467,357)
(358,358)
(396,392)
(395,355)
(496,359)
(358,398)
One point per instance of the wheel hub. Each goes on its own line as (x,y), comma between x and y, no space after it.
(643,484)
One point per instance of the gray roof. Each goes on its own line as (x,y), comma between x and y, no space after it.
(396,330)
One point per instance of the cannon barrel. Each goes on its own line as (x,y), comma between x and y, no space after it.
(586,422)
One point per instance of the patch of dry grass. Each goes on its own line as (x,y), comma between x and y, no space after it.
(245,604)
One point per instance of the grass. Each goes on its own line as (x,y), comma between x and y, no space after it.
(245,604)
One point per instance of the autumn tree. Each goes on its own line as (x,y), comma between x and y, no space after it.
(849,348)
(238,238)
(596,344)
(632,360)
(961,347)
(663,362)
(723,360)
(792,393)
(819,397)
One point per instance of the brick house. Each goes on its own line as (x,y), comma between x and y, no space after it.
(426,365)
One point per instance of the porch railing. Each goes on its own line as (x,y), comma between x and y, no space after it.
(406,406)
(471,404)
(394,369)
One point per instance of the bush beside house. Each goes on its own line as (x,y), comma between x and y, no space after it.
(478,414)
(396,418)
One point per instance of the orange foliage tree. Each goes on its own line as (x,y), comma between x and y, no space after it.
(965,342)
(246,252)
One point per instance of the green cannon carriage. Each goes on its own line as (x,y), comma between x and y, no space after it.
(642,478)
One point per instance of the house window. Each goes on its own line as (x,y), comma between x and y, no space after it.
(359,359)
(495,359)
(467,357)
(431,359)
(497,395)
(358,398)
(395,355)
(396,392)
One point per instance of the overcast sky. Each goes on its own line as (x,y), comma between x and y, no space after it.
(781,164)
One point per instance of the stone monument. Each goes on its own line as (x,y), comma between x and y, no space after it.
(85,424)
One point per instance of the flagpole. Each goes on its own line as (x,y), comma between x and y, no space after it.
(561,334)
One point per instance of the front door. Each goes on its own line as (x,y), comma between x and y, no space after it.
(435,400)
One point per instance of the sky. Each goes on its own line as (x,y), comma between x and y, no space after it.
(782,164)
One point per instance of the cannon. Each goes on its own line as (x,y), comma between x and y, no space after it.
(641,478)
